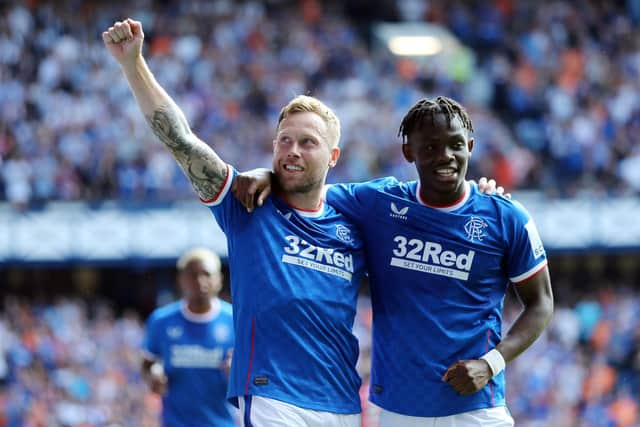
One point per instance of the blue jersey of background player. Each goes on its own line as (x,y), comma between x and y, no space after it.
(186,346)
(440,256)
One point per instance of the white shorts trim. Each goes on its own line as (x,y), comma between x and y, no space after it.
(487,417)
(266,412)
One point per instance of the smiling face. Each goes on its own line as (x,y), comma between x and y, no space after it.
(302,154)
(441,152)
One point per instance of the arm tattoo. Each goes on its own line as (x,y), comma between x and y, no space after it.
(199,162)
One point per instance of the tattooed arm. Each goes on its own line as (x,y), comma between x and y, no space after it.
(203,167)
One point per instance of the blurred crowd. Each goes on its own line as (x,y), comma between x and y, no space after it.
(69,364)
(585,370)
(553,88)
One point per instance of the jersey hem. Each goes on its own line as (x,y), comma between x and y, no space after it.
(486,405)
(304,405)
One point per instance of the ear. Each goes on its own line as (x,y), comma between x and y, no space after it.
(408,154)
(335,155)
(274,142)
(470,145)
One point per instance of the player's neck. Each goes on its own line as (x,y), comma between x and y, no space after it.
(194,314)
(309,201)
(436,199)
(199,306)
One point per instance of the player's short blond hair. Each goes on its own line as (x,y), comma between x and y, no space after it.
(309,104)
(206,256)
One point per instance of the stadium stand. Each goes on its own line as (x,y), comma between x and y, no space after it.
(554,92)
(74,363)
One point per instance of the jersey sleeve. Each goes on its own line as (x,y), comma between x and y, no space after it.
(352,200)
(152,339)
(224,205)
(526,255)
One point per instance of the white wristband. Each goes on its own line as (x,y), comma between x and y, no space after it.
(495,360)
(156,370)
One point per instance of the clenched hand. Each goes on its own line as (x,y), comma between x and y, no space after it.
(124,40)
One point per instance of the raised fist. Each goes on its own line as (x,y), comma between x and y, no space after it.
(124,40)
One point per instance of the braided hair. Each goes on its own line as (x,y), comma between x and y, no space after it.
(426,109)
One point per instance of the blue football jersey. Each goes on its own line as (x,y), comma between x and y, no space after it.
(438,277)
(294,283)
(192,349)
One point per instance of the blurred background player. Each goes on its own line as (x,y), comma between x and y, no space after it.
(295,267)
(440,257)
(187,345)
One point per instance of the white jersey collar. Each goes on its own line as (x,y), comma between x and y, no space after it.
(201,317)
(315,213)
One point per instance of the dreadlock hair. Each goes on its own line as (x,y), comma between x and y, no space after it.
(426,109)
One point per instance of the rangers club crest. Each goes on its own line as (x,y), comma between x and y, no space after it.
(343,233)
(475,228)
